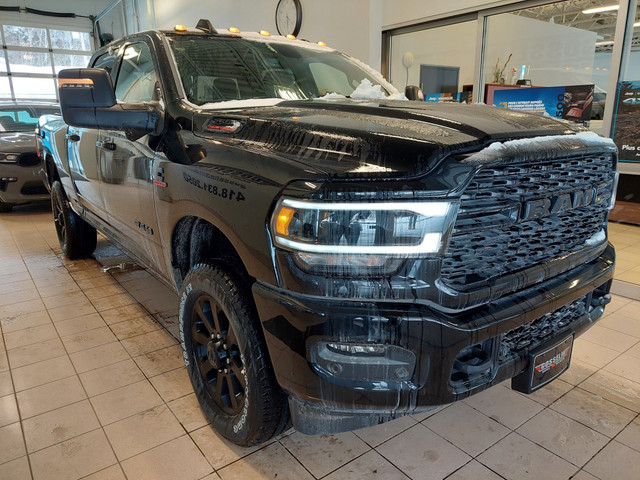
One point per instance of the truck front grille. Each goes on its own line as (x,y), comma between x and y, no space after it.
(515,216)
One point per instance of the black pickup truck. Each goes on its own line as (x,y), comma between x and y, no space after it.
(343,256)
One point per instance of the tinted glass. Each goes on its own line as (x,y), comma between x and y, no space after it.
(137,77)
(22,119)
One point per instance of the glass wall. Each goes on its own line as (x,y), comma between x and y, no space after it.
(439,60)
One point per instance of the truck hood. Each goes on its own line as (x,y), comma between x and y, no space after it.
(396,139)
(17,142)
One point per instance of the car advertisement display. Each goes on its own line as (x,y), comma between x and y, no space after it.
(567,102)
(626,121)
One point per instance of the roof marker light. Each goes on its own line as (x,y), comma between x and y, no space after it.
(180,28)
(234,30)
(265,33)
(322,44)
(291,37)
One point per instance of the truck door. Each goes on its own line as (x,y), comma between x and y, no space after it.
(85,157)
(127,176)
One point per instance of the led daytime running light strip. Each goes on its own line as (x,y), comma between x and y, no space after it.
(426,209)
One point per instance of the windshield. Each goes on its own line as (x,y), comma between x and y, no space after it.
(218,69)
(22,118)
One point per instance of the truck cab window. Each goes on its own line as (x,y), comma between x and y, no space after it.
(137,77)
(107,62)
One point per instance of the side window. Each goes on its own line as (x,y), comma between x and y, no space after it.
(137,77)
(107,62)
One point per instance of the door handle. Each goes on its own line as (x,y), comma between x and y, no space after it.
(106,145)
(72,137)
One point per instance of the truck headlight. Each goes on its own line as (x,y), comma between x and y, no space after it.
(371,237)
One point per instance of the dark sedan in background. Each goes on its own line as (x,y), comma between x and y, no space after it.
(20,180)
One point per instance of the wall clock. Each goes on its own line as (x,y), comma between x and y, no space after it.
(289,17)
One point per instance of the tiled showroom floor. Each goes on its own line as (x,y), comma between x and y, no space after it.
(92,385)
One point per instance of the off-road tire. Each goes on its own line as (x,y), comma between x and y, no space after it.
(77,238)
(255,408)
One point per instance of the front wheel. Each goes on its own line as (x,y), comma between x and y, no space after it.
(227,358)
(77,238)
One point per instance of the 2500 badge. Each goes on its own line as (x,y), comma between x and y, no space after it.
(216,190)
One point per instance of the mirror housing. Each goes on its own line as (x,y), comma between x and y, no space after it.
(88,100)
(413,93)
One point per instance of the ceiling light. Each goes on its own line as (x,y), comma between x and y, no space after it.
(606,8)
(637,24)
(602,44)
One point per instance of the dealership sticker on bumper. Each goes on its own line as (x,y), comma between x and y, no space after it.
(544,366)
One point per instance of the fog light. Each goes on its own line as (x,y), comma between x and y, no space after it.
(362,363)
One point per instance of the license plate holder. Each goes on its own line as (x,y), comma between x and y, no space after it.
(545,364)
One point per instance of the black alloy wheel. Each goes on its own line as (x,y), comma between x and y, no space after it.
(77,238)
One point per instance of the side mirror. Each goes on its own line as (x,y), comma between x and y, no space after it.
(413,93)
(88,100)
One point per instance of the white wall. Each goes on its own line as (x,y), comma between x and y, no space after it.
(401,12)
(352,26)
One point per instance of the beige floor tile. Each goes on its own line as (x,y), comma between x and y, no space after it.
(13,324)
(6,289)
(65,300)
(143,431)
(116,375)
(173,384)
(59,289)
(4,361)
(113,472)
(50,278)
(634,351)
(137,326)
(74,458)
(93,282)
(592,353)
(594,411)
(614,388)
(79,324)
(11,443)
(120,314)
(71,311)
(515,457)
(474,470)
(615,461)
(14,277)
(148,342)
(505,406)
(630,436)
(177,459)
(626,366)
(188,411)
(6,384)
(42,372)
(161,361)
(631,309)
(218,451)
(30,336)
(419,450)
(17,469)
(113,301)
(59,425)
(50,396)
(266,464)
(622,323)
(551,392)
(103,291)
(578,372)
(88,339)
(606,337)
(468,429)
(99,357)
(378,434)
(323,454)
(27,295)
(8,410)
(21,308)
(557,433)
(369,466)
(582,475)
(125,401)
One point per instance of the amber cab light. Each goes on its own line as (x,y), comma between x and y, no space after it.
(180,28)
(234,30)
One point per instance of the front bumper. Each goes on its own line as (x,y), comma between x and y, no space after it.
(21,184)
(433,344)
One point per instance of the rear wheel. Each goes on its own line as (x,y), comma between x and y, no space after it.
(5,207)
(227,358)
(77,238)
